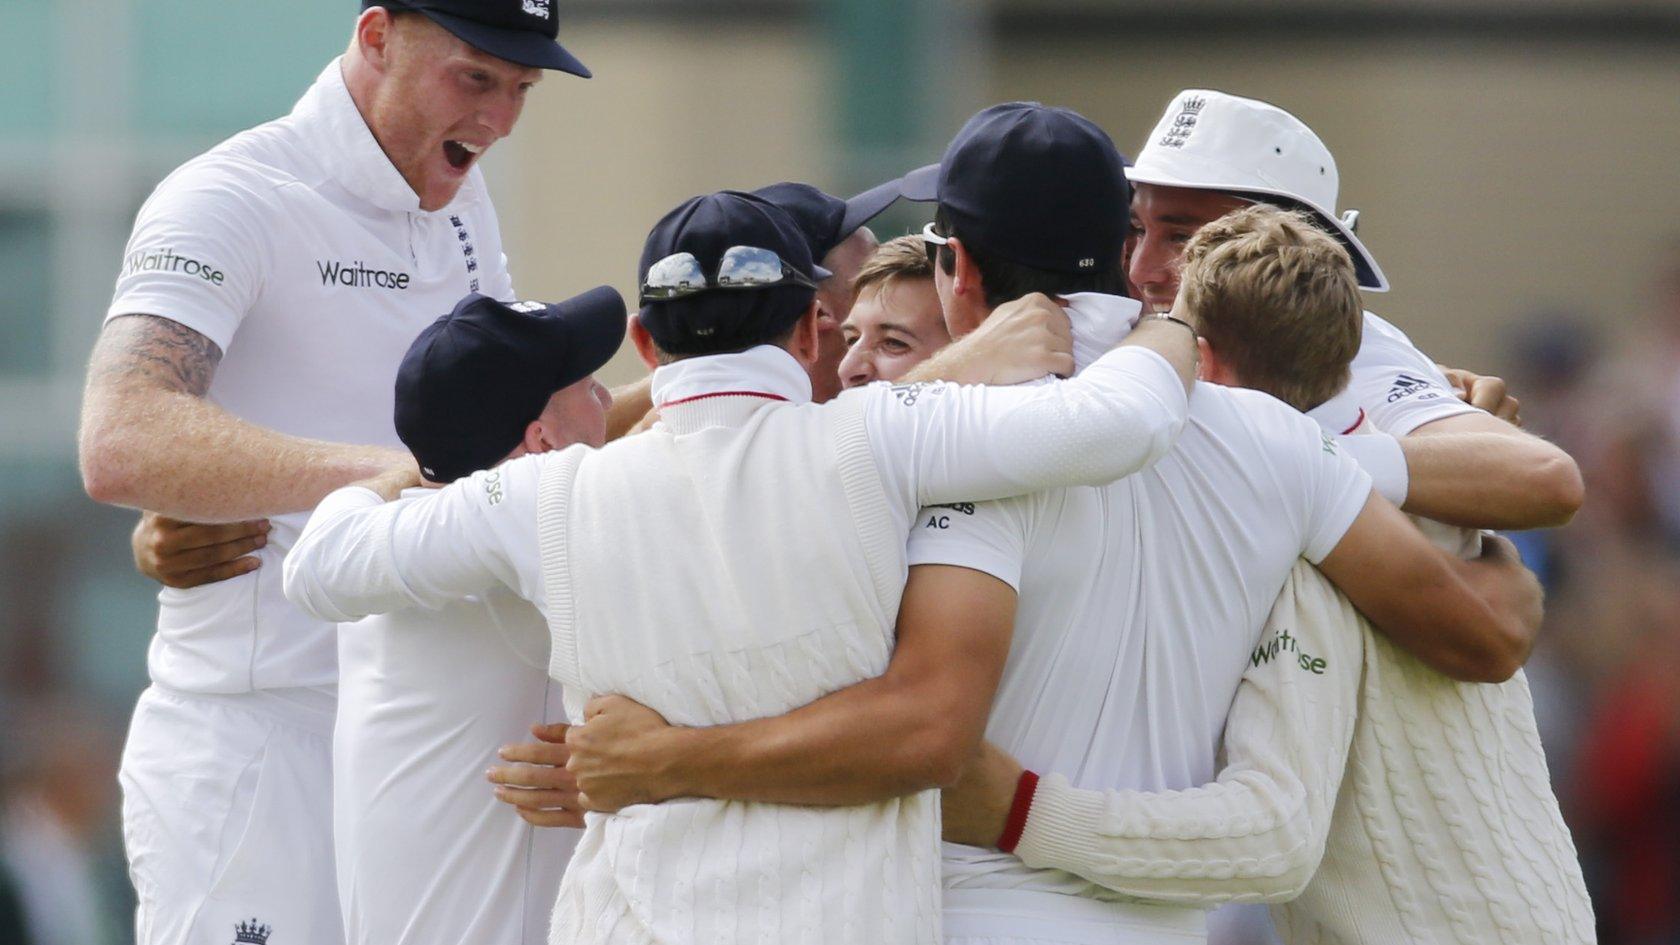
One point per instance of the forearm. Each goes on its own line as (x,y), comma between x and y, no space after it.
(1258,832)
(1119,416)
(187,458)
(968,360)
(1172,340)
(630,403)
(865,743)
(1489,479)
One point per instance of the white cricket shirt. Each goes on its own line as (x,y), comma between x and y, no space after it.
(298,249)
(425,852)
(1393,384)
(1141,601)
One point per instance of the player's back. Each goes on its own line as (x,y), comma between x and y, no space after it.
(735,562)
(1141,602)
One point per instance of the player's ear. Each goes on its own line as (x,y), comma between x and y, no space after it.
(644,342)
(804,346)
(1210,368)
(536,439)
(373,36)
(965,274)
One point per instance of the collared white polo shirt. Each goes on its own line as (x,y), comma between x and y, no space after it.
(1141,601)
(1395,385)
(300,250)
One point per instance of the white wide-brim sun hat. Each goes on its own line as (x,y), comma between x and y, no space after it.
(1209,140)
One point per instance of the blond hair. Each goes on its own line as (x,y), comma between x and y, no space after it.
(1278,299)
(902,258)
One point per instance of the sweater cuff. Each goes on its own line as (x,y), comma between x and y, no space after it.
(1061,826)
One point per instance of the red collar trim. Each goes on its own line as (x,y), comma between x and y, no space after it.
(722,393)
(1356,423)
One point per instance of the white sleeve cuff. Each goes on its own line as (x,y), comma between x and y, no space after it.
(1061,827)
(1381,456)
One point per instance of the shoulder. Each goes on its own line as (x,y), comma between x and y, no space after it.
(1241,406)
(1261,422)
(1381,342)
(218,182)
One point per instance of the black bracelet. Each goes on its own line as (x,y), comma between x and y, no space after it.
(1163,316)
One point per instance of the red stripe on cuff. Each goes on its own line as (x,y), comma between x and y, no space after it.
(1018,809)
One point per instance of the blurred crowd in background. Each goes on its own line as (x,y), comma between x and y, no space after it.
(1505,153)
(1606,671)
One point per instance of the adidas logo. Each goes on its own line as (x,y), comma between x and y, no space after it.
(1405,385)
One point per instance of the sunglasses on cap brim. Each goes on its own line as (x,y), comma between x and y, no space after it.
(742,267)
(932,239)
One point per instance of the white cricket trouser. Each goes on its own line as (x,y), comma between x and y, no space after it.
(227,818)
(1025,917)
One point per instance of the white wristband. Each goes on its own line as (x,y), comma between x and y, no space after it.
(1380,455)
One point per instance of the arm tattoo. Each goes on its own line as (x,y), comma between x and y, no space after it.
(158,351)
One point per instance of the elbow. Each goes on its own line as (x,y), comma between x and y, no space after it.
(1286,886)
(1297,862)
(937,750)
(298,585)
(1127,455)
(1561,489)
(1547,494)
(106,473)
(941,752)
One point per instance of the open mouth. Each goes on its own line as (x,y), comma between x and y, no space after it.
(460,154)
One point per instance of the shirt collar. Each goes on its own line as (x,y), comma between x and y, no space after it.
(765,371)
(347,148)
(1343,417)
(1099,323)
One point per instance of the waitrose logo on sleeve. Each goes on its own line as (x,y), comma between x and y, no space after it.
(167,260)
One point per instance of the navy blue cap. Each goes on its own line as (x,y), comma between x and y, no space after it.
(521,31)
(726,320)
(825,219)
(476,378)
(1035,185)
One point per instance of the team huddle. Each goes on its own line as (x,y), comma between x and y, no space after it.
(1083,562)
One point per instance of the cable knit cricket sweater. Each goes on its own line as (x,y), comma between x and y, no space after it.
(805,624)
(1444,828)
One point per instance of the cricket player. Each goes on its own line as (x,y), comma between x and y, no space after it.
(743,557)
(245,370)
(1212,153)
(896,323)
(426,696)
(1441,828)
(1126,612)
(840,242)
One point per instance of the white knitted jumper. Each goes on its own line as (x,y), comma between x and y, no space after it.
(1443,829)
(781,529)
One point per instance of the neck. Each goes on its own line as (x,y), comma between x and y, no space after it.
(362,81)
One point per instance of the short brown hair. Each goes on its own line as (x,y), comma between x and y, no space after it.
(902,258)
(1278,299)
